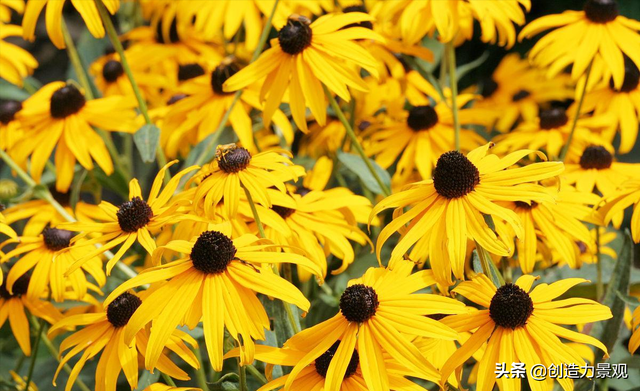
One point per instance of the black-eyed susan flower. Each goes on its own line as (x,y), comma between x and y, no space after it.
(555,229)
(522,325)
(449,209)
(104,332)
(217,283)
(622,103)
(420,135)
(315,375)
(634,341)
(87,10)
(449,17)
(597,170)
(5,229)
(626,195)
(320,221)
(13,306)
(58,116)
(233,169)
(195,117)
(598,31)
(516,90)
(10,128)
(303,58)
(550,132)
(17,63)
(132,221)
(49,255)
(380,313)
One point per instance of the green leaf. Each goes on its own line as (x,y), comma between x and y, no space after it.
(437,48)
(355,164)
(10,92)
(147,139)
(463,70)
(147,379)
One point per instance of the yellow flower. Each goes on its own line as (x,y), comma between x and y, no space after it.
(304,57)
(449,209)
(17,63)
(234,169)
(550,132)
(522,325)
(13,305)
(217,283)
(104,332)
(320,221)
(195,117)
(50,255)
(516,90)
(634,341)
(626,195)
(622,103)
(133,221)
(599,31)
(10,128)
(87,9)
(7,5)
(380,314)
(59,116)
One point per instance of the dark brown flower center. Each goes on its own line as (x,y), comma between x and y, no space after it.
(57,239)
(455,175)
(489,86)
(553,118)
(212,252)
(8,110)
(234,159)
(357,8)
(511,306)
(437,316)
(601,11)
(323,362)
(223,72)
(133,215)
(112,70)
(520,95)
(631,77)
(524,205)
(173,33)
(189,71)
(121,309)
(20,287)
(422,118)
(359,303)
(296,35)
(66,101)
(597,157)
(283,211)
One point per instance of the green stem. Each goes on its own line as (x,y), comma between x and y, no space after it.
(34,353)
(56,355)
(488,267)
(242,374)
(565,148)
(168,380)
(256,373)
(599,284)
(254,211)
(15,167)
(354,140)
(236,97)
(453,81)
(201,375)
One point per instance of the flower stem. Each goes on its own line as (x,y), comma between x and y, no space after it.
(15,167)
(34,353)
(168,380)
(354,140)
(236,97)
(254,211)
(142,104)
(453,81)
(599,284)
(56,355)
(201,375)
(565,148)
(242,375)
(259,376)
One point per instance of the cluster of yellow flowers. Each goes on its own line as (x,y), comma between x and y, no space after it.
(331,115)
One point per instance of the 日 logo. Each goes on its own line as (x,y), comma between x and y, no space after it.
(518,370)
